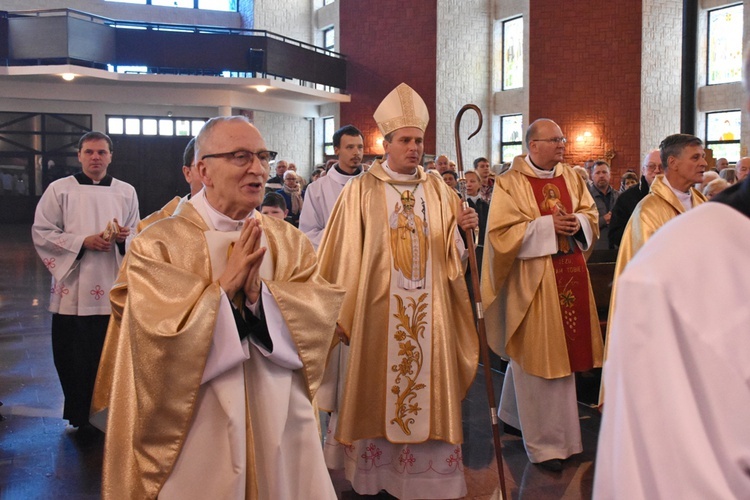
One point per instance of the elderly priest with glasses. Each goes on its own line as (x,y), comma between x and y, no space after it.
(221,327)
(539,305)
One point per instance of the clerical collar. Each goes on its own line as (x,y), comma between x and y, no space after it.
(220,221)
(397,176)
(88,181)
(357,171)
(685,198)
(540,172)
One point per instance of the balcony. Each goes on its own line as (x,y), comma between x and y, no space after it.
(39,44)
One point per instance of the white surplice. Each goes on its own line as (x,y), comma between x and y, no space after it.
(675,423)
(67,213)
(320,197)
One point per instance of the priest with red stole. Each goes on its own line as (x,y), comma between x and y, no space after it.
(540,309)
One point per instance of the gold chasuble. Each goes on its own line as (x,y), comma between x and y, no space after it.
(159,339)
(656,209)
(518,294)
(413,344)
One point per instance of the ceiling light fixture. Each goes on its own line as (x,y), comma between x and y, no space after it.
(68,77)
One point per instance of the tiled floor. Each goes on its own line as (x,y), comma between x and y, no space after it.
(40,458)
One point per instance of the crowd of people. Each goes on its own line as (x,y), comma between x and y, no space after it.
(207,336)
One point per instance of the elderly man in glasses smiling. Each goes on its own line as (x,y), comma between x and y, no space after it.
(216,353)
(540,308)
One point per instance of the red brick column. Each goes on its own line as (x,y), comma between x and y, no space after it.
(387,42)
(585,73)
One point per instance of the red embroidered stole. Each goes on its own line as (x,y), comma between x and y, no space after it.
(571,274)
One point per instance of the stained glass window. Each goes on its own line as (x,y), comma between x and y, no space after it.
(725,45)
(723,134)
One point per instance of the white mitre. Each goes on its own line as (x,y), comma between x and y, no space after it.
(401,108)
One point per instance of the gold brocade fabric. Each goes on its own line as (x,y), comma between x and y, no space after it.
(656,209)
(164,212)
(355,254)
(164,310)
(520,297)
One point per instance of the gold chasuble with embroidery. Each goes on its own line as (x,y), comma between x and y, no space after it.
(518,294)
(413,345)
(167,326)
(658,207)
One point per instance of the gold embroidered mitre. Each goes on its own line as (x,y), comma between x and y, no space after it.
(403,107)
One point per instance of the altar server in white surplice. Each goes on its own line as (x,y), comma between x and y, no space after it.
(321,195)
(80,227)
(218,345)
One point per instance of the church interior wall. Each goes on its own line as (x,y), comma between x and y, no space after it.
(291,18)
(588,79)
(464,70)
(386,43)
(291,136)
(620,82)
(661,56)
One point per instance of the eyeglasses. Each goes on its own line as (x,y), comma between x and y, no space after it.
(556,140)
(242,157)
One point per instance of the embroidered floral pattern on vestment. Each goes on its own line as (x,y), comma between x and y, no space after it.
(408,334)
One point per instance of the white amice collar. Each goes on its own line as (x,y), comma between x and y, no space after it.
(218,220)
(685,198)
(542,174)
(399,177)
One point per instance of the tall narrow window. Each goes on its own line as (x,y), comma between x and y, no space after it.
(328,136)
(329,39)
(511,137)
(725,45)
(513,54)
(723,134)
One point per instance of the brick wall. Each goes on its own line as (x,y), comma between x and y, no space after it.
(585,73)
(386,43)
